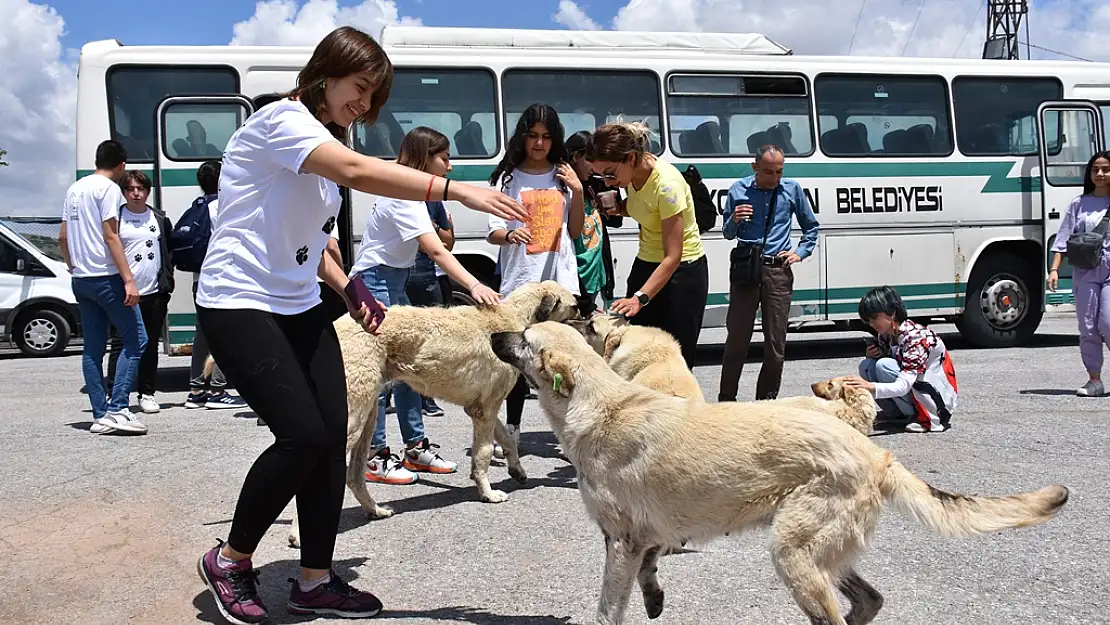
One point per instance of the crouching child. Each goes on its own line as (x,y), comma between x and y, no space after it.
(907,367)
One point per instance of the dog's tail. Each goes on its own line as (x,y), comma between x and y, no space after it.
(956,515)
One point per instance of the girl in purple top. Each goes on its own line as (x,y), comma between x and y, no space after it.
(1091,287)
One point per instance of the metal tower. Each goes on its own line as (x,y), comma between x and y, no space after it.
(1004,18)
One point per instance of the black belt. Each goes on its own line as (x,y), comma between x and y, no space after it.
(773,261)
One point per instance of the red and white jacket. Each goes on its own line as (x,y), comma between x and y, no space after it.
(927,373)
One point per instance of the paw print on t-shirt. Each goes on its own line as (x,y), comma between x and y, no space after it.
(150,256)
(329,225)
(149,243)
(302,255)
(138,258)
(153,228)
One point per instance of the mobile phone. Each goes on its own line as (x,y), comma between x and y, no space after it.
(359,294)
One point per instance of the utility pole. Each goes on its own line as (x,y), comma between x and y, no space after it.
(1004,18)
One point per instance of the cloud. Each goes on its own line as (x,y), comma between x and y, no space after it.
(288,22)
(39,91)
(953,28)
(573,17)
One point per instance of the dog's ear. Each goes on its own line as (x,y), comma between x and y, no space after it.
(546,307)
(558,368)
(824,389)
(612,342)
(619,321)
(582,325)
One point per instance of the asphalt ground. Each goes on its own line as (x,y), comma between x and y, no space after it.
(107,529)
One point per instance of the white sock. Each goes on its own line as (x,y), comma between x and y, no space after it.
(314,584)
(223,562)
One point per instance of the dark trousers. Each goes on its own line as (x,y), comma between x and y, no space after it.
(772,295)
(677,308)
(289,368)
(153,309)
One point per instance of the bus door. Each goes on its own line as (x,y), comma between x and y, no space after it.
(191,130)
(1069,133)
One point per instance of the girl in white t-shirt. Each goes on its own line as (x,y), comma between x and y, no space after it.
(143,232)
(395,231)
(259,304)
(540,246)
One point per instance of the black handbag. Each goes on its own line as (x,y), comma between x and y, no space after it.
(746,259)
(1085,248)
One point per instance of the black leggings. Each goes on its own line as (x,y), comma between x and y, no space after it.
(677,308)
(153,309)
(514,403)
(289,369)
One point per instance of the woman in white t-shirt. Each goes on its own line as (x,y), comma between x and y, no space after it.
(396,230)
(143,232)
(259,304)
(539,247)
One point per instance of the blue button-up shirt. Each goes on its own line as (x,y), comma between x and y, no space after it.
(791,202)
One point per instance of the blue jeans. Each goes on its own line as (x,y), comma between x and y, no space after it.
(885,370)
(387,284)
(100,301)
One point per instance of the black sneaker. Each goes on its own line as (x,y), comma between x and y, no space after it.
(335,597)
(196,399)
(430,408)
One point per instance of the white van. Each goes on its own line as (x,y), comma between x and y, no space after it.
(38,311)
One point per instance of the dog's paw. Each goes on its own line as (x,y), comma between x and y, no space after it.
(653,603)
(518,474)
(380,512)
(495,496)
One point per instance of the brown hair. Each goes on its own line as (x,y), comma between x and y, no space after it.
(420,144)
(613,142)
(344,51)
(134,175)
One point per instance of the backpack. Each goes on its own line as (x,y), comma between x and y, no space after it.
(705,211)
(189,240)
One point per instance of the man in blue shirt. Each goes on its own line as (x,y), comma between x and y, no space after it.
(746,220)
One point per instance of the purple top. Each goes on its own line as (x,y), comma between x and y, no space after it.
(1082,215)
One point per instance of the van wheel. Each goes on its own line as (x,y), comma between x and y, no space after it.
(1003,303)
(41,333)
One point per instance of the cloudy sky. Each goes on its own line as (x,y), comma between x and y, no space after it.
(40,43)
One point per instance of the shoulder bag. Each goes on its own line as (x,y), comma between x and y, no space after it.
(746,260)
(1085,248)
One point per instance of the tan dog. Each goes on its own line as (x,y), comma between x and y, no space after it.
(442,353)
(642,354)
(852,405)
(818,483)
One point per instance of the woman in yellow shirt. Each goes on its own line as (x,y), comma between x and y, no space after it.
(669,281)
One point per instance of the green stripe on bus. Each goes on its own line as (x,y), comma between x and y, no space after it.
(996,172)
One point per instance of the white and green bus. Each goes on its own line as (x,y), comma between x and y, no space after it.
(944,178)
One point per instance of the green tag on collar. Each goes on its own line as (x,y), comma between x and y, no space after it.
(557,383)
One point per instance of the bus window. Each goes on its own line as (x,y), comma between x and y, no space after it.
(997,116)
(134,93)
(880,116)
(1105,110)
(585,99)
(734,115)
(198,132)
(460,103)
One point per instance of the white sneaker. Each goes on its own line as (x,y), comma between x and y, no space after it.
(424,458)
(1093,388)
(148,404)
(122,421)
(385,468)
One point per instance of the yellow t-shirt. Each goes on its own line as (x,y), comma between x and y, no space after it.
(665,194)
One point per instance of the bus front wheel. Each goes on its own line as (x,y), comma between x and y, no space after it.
(1003,302)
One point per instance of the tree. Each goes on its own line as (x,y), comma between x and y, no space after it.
(3,163)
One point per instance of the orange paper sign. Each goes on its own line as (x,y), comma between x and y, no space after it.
(546,210)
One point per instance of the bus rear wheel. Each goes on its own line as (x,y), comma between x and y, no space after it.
(1003,302)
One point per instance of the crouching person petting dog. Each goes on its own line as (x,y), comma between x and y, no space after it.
(259,305)
(907,368)
(396,230)
(818,483)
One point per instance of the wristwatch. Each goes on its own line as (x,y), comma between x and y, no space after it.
(643,297)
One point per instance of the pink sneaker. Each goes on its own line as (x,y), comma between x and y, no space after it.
(235,589)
